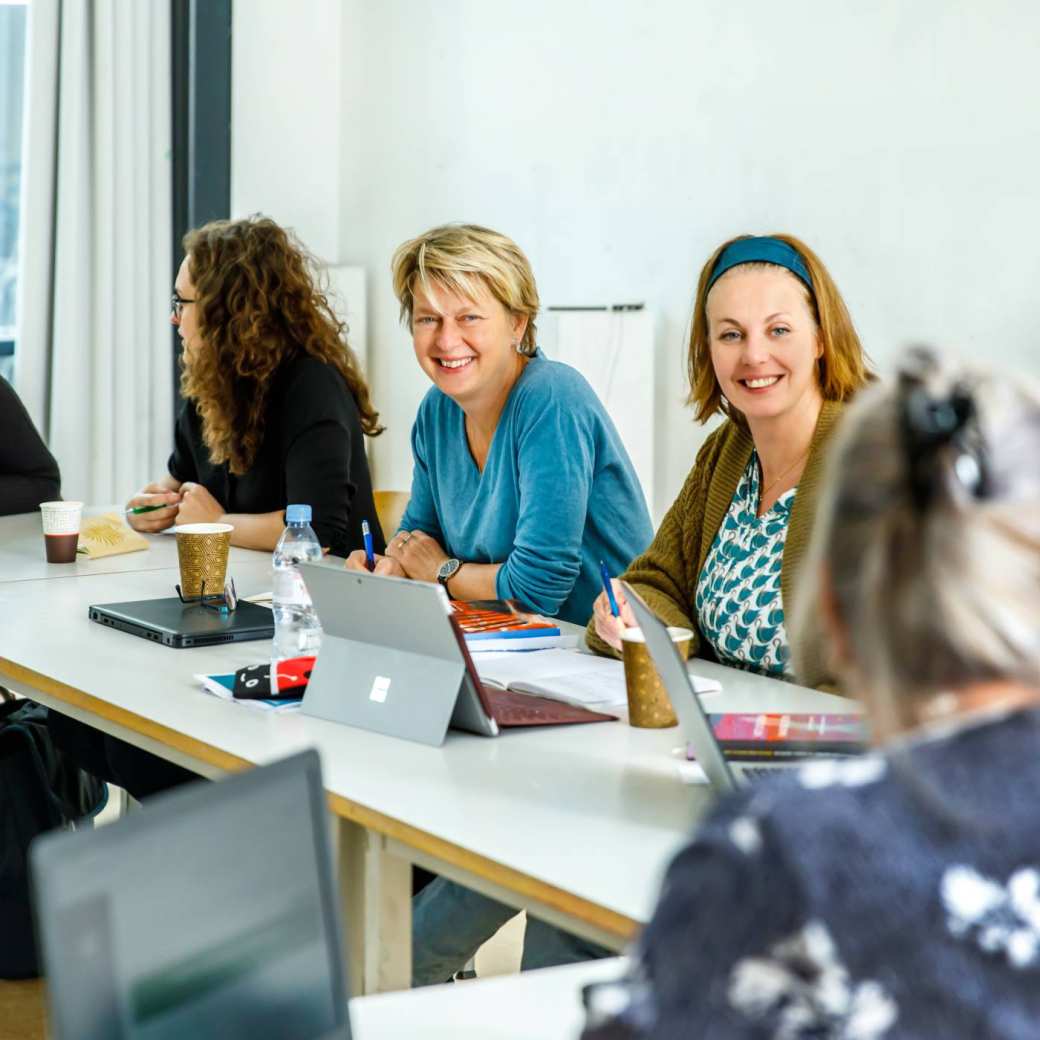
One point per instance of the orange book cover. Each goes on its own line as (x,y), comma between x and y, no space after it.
(500,619)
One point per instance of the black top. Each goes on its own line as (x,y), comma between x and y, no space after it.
(312,453)
(28,473)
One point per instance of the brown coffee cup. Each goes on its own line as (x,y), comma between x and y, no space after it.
(202,551)
(649,706)
(61,522)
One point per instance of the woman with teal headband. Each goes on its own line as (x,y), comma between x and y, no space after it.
(773,349)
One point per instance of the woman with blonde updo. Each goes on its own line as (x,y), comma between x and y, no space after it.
(894,896)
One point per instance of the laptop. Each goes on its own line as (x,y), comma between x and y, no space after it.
(393,660)
(212,913)
(180,625)
(722,774)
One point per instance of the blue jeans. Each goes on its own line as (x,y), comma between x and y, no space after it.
(450,922)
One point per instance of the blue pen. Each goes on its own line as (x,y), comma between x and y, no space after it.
(608,589)
(366,533)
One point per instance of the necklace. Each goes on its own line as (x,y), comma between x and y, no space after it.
(776,480)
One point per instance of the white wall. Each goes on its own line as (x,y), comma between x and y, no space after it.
(286,96)
(618,143)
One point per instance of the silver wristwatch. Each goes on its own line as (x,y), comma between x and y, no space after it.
(448,570)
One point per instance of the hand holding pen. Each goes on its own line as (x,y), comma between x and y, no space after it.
(611,612)
(153,509)
(370,556)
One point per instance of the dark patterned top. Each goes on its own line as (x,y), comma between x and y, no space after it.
(891,897)
(739,601)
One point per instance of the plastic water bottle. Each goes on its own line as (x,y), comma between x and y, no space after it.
(297,630)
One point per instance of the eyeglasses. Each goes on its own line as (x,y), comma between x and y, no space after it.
(222,603)
(177,305)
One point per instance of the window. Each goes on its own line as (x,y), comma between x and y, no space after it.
(13,16)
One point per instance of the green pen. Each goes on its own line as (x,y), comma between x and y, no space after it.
(137,510)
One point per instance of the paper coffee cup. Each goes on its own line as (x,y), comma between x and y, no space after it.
(649,706)
(61,517)
(61,522)
(202,552)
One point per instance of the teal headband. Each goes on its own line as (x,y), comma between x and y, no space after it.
(763,250)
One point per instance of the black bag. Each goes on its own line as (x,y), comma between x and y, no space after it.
(40,790)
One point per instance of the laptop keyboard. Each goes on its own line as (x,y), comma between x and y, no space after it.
(513,714)
(522,709)
(756,774)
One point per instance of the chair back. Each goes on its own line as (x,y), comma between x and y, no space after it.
(390,507)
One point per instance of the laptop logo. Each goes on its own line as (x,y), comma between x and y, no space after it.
(380,688)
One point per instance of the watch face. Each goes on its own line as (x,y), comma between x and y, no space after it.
(447,569)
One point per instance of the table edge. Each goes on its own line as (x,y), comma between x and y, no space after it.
(515,881)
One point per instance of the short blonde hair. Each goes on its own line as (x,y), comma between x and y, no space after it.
(842,367)
(466,259)
(928,546)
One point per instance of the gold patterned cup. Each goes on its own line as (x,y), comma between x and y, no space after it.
(202,550)
(648,703)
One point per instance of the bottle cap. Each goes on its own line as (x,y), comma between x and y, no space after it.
(298,514)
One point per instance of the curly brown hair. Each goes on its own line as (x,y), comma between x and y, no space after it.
(258,303)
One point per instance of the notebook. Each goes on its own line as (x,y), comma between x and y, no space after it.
(223,686)
(569,676)
(108,535)
(214,912)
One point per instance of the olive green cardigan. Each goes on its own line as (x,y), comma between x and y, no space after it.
(666,575)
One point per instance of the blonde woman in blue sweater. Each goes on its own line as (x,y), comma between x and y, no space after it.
(520,486)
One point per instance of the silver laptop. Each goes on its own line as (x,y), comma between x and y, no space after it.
(394,661)
(722,774)
(212,913)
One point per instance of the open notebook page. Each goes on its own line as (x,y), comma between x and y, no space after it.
(564,675)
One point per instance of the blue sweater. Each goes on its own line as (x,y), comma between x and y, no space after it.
(892,897)
(557,495)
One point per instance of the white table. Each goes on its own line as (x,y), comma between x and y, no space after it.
(22,555)
(538,1004)
(575,824)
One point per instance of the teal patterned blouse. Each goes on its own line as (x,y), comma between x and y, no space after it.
(740,608)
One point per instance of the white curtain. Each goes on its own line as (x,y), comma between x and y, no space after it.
(94,350)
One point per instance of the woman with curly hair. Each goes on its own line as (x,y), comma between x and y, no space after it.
(276,409)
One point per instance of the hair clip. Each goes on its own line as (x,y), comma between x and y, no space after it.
(930,424)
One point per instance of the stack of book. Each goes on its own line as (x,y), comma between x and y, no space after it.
(499,624)
(760,736)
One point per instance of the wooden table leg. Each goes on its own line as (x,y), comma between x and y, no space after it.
(376,895)
(22,1015)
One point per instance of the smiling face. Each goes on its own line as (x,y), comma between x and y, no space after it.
(764,342)
(187,324)
(467,347)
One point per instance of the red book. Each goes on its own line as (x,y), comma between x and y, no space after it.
(750,736)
